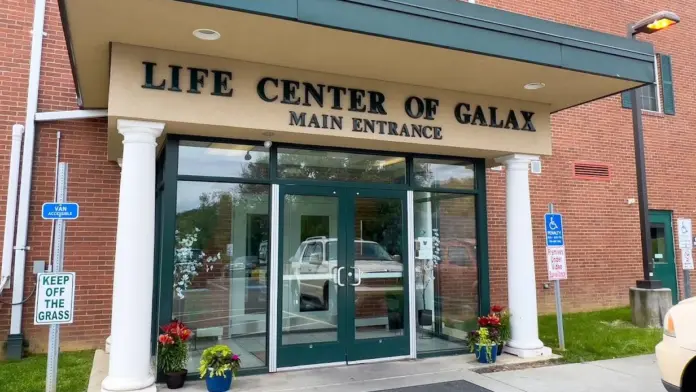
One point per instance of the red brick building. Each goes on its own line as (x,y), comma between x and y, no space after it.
(590,175)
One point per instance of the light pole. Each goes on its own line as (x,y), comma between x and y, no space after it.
(649,25)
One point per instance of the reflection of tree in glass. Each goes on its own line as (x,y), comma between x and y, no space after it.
(385,227)
(331,166)
(426,175)
(213,215)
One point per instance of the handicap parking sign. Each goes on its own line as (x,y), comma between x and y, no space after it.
(554,230)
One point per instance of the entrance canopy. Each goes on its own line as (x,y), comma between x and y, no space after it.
(445,45)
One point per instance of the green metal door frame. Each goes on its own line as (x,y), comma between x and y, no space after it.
(168,178)
(315,352)
(384,347)
(346,348)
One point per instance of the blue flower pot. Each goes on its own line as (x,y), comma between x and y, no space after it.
(219,383)
(482,353)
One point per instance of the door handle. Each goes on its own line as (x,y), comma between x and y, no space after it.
(338,277)
(358,274)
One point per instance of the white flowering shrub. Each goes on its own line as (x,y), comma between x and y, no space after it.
(188,261)
(436,247)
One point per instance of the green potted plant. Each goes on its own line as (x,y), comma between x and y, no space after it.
(472,340)
(219,366)
(484,347)
(172,353)
(504,328)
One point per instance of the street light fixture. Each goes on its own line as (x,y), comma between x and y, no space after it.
(654,23)
(649,25)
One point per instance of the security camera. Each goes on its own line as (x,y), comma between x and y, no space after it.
(267,144)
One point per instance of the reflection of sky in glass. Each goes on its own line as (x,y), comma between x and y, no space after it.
(340,166)
(188,193)
(217,159)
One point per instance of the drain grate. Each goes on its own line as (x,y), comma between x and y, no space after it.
(452,386)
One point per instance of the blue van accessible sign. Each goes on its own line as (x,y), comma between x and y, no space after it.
(60,211)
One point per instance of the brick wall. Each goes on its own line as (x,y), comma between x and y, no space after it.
(601,228)
(15,23)
(93,181)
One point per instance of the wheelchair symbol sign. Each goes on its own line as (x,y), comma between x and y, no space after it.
(554,230)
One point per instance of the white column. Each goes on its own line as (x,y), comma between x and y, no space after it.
(522,300)
(131,317)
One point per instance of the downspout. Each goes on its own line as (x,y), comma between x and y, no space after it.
(21,246)
(11,207)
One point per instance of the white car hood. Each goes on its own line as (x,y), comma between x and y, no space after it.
(684,317)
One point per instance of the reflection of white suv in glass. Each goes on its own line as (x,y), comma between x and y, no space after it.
(315,261)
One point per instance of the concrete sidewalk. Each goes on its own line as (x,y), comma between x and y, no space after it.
(371,377)
(634,374)
(450,374)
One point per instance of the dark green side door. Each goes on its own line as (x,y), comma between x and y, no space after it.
(342,275)
(662,254)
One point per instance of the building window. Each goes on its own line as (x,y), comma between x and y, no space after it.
(649,98)
(446,271)
(326,165)
(220,267)
(649,95)
(214,159)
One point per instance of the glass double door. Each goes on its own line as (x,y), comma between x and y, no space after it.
(343,275)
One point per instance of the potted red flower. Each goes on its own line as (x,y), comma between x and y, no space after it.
(497,327)
(503,327)
(172,353)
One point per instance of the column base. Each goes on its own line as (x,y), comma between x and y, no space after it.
(118,384)
(529,353)
(649,306)
(649,284)
(15,347)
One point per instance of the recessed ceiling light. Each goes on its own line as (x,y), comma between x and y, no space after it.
(534,86)
(206,34)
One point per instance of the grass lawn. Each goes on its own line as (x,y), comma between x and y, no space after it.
(599,335)
(29,374)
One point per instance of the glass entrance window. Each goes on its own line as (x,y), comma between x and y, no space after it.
(213,159)
(378,269)
(446,270)
(343,252)
(220,267)
(309,265)
(343,281)
(340,166)
(443,173)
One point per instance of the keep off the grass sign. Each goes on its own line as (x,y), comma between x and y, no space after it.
(55,298)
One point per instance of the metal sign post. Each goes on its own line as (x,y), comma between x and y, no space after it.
(555,254)
(57,267)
